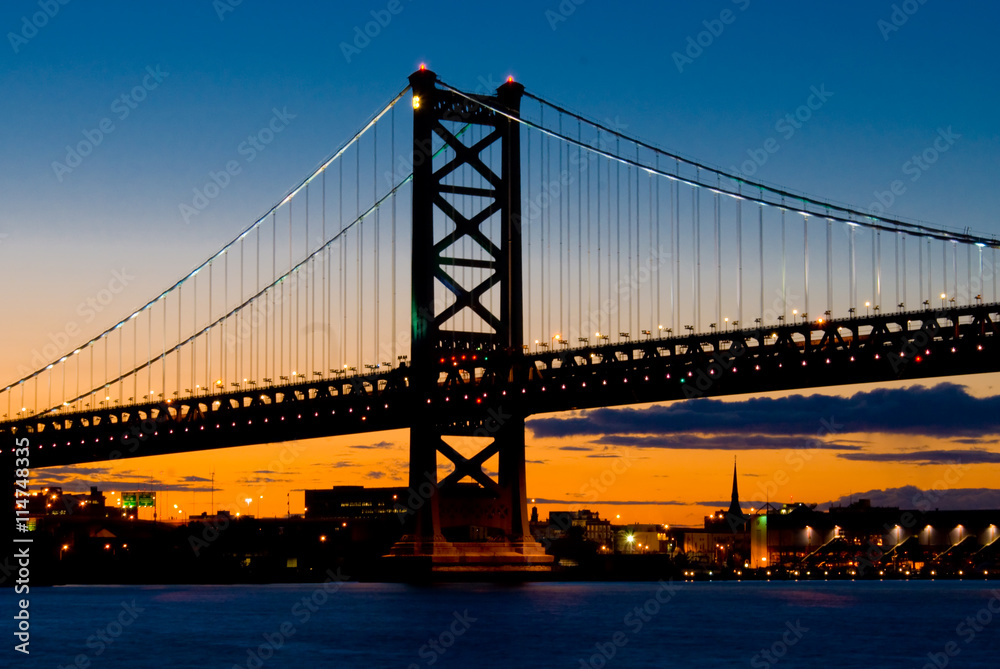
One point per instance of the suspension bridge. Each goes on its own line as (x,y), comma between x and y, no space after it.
(478,258)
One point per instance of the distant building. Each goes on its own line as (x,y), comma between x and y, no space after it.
(355,502)
(644,538)
(593,527)
(52,501)
(861,537)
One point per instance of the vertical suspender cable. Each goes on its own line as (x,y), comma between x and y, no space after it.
(618,229)
(653,265)
(954,268)
(944,266)
(805,264)
(853,268)
(895,246)
(180,313)
(829,268)
(739,259)
(659,251)
(377,269)
(561,323)
(981,291)
(208,336)
(306,277)
(163,358)
(902,243)
(920,271)
(696,234)
(718,263)
(878,269)
(784,264)
(760,239)
(579,232)
(930,271)
(968,269)
(675,224)
(194,342)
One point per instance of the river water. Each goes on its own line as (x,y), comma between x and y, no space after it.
(573,625)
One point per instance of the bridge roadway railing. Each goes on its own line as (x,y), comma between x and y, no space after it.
(474,392)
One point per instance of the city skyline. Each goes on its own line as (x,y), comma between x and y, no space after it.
(82,238)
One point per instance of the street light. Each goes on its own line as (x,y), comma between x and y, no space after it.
(867,305)
(943,297)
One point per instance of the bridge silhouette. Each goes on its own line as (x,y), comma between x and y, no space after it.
(494,256)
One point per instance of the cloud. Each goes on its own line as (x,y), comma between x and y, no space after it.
(723,442)
(375,475)
(575,448)
(81,478)
(378,445)
(945,410)
(57,472)
(911,497)
(724,504)
(929,457)
(261,479)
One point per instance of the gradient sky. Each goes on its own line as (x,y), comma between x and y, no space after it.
(63,235)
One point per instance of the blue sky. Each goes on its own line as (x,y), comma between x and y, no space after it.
(227,68)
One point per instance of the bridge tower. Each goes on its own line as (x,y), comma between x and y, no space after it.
(486,521)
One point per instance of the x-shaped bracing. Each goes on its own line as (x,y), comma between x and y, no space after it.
(471,467)
(467,227)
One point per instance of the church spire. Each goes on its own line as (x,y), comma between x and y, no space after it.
(734,504)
